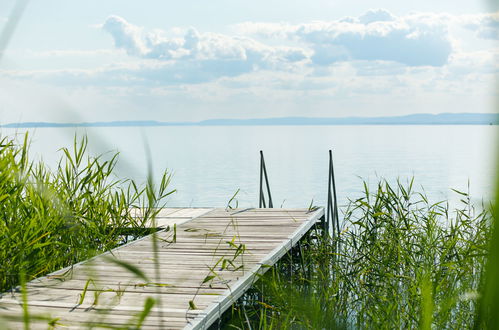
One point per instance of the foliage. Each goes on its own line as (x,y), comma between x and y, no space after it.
(50,219)
(399,262)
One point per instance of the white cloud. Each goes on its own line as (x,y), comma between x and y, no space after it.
(376,43)
(126,35)
(476,62)
(72,52)
(377,38)
(351,63)
(201,55)
(376,15)
(164,91)
(377,35)
(417,39)
(486,26)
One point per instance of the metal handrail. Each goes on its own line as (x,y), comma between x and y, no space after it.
(263,174)
(332,202)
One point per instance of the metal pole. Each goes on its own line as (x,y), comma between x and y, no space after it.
(336,217)
(262,198)
(264,168)
(329,199)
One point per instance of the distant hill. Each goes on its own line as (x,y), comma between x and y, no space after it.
(415,119)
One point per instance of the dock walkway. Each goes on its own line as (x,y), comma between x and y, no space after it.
(205,265)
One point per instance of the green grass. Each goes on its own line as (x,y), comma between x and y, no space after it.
(400,262)
(53,218)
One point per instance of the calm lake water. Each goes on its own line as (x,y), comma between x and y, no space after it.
(210,163)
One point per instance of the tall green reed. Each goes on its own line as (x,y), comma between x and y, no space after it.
(487,315)
(50,219)
(403,262)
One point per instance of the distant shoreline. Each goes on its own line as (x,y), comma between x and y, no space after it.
(415,119)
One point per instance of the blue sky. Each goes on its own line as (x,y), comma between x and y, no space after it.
(194,60)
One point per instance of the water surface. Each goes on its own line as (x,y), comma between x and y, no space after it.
(210,163)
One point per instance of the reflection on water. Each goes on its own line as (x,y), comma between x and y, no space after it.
(211,163)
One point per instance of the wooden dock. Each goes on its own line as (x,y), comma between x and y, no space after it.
(205,265)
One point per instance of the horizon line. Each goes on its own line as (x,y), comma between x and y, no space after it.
(409,119)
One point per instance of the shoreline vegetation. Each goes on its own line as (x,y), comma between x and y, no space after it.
(400,261)
(415,119)
(51,219)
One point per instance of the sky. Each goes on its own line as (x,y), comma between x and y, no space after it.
(73,61)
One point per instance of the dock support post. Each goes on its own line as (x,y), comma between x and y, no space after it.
(263,175)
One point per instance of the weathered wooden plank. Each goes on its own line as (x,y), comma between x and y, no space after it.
(225,301)
(192,212)
(79,285)
(200,245)
(171,216)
